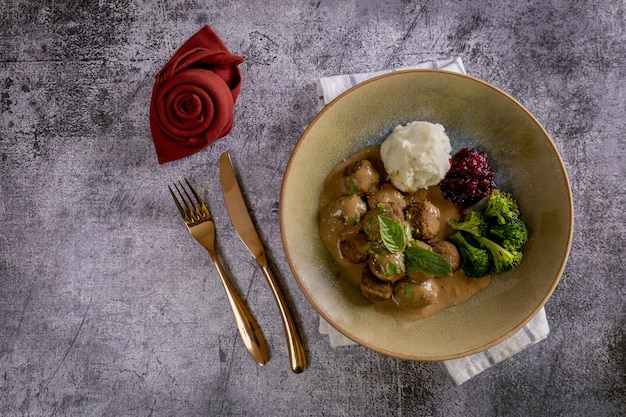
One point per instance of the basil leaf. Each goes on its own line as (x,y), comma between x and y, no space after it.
(426,261)
(392,234)
(408,234)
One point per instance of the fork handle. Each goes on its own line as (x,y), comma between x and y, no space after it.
(248,328)
(297,356)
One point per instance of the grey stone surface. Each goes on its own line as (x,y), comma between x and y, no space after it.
(107,307)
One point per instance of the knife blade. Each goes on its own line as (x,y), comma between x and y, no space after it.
(244,226)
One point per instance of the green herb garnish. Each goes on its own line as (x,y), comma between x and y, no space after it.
(352,189)
(392,234)
(408,291)
(416,258)
(391,269)
(426,261)
(355,221)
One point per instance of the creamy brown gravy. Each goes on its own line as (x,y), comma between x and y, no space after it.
(450,290)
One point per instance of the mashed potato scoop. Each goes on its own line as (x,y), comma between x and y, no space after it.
(416,155)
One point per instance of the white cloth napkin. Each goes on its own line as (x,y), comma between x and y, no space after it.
(462,369)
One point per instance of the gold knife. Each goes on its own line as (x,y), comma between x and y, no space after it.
(242,222)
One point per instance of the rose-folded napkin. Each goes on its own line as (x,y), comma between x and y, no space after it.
(193,97)
(462,369)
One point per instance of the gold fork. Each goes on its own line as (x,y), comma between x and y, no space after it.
(201,226)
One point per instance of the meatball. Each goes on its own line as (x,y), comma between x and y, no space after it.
(449,252)
(359,177)
(419,195)
(348,209)
(374,289)
(424,217)
(387,266)
(371,226)
(386,193)
(354,247)
(416,293)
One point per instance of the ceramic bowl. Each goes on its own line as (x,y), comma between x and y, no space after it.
(474,113)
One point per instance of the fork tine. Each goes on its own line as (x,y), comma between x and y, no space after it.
(193,210)
(190,214)
(193,207)
(203,207)
(178,205)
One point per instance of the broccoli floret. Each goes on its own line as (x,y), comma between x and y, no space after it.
(513,233)
(502,206)
(502,260)
(474,223)
(474,261)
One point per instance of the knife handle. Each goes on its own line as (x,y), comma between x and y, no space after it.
(297,356)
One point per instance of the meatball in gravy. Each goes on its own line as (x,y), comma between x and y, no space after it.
(356,195)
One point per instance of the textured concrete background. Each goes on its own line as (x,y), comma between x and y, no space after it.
(105,313)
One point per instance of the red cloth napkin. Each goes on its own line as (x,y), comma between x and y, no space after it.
(193,97)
